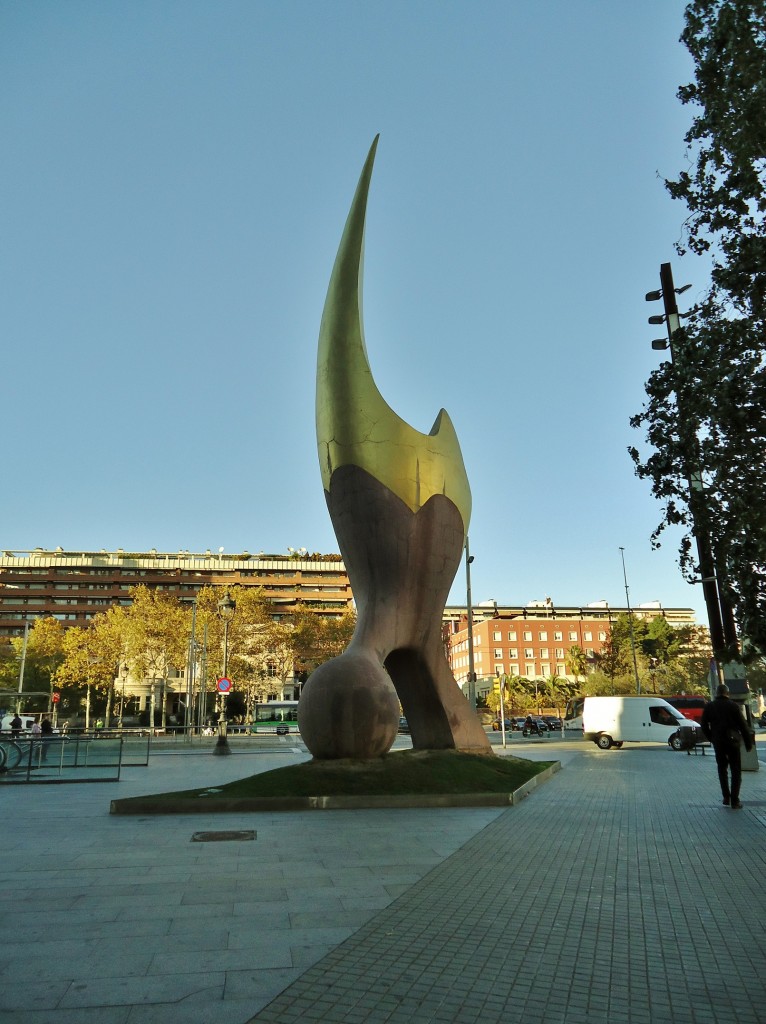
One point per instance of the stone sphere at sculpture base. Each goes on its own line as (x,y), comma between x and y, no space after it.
(349,708)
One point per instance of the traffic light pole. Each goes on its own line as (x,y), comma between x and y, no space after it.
(723,631)
(709,577)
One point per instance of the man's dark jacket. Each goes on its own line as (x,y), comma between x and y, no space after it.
(721,718)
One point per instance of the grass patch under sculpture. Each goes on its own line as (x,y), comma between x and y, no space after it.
(410,778)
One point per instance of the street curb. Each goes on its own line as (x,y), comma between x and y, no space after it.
(225,805)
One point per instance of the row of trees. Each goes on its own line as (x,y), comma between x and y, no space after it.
(668,660)
(524,696)
(152,636)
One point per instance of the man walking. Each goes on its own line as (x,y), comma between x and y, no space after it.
(724,725)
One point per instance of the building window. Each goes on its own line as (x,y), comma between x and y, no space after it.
(545,670)
(513,652)
(587,635)
(497,636)
(558,635)
(543,652)
(512,635)
(499,670)
(572,635)
(530,669)
(529,652)
(560,652)
(498,653)
(544,636)
(527,634)
(602,636)
(514,669)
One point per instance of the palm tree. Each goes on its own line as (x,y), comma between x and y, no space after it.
(577,662)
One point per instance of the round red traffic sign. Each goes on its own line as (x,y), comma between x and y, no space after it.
(224,684)
(55,697)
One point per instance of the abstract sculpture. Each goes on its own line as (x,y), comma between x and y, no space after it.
(400,505)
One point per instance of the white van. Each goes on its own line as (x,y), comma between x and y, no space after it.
(611,721)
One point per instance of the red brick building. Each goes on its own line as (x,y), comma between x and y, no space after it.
(534,641)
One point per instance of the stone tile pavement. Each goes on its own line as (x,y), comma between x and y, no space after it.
(621,891)
(118,919)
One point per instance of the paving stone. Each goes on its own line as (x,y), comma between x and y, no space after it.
(396,917)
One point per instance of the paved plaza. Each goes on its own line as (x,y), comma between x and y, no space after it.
(620,891)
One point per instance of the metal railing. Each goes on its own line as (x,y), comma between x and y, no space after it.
(77,757)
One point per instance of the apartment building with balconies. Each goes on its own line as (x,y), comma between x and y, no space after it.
(74,586)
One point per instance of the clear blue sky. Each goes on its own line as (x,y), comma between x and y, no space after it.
(175,178)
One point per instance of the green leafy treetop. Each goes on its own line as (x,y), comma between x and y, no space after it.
(717,378)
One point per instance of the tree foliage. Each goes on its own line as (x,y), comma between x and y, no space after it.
(577,662)
(669,660)
(44,653)
(9,665)
(88,662)
(152,636)
(705,418)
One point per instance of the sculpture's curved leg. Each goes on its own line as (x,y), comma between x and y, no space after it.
(400,503)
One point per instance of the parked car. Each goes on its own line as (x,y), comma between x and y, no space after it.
(554,724)
(403,725)
(517,724)
(508,725)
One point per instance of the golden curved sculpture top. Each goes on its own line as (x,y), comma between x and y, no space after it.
(355,425)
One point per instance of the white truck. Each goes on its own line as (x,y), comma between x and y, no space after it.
(612,721)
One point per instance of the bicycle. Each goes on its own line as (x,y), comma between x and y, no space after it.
(10,755)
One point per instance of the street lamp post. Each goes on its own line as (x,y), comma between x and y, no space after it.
(226,608)
(22,664)
(469,610)
(124,671)
(502,680)
(202,695)
(190,677)
(92,662)
(630,623)
(723,630)
(723,635)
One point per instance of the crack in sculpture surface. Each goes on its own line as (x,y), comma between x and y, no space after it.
(400,504)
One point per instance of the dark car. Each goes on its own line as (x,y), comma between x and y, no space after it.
(554,724)
(403,725)
(508,725)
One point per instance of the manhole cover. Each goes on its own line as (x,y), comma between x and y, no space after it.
(223,837)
